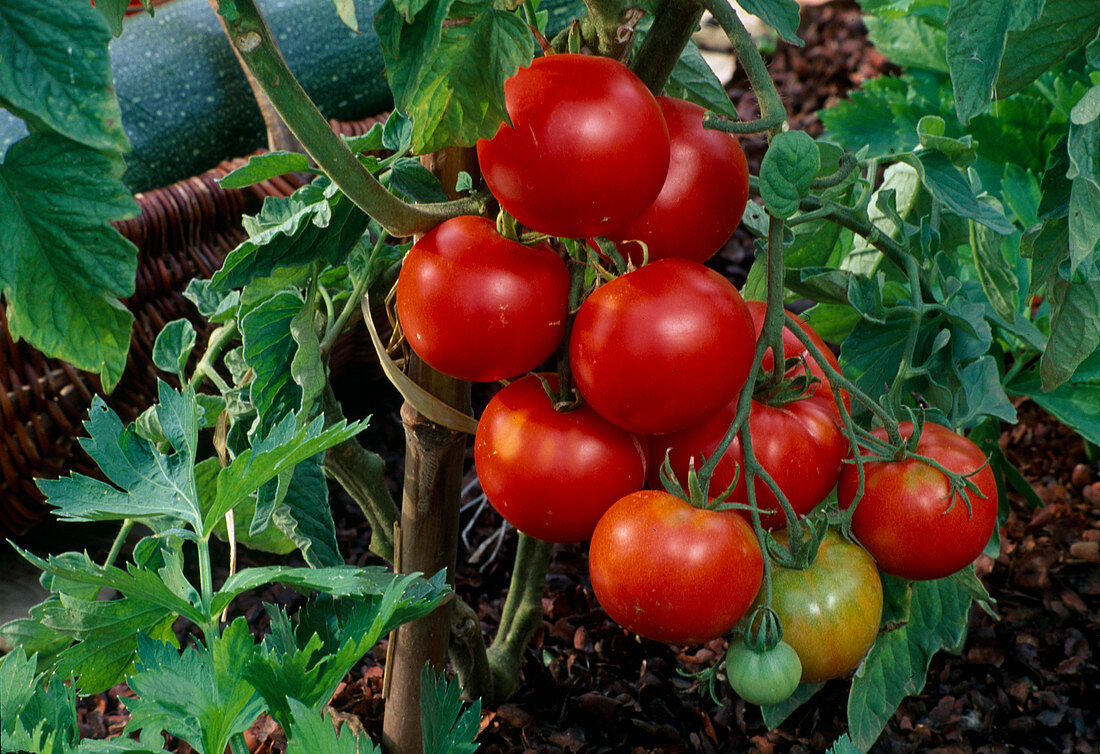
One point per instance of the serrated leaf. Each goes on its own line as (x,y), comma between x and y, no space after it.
(976,32)
(308,661)
(197,695)
(460,98)
(316,223)
(898,661)
(173,345)
(781,15)
(269,348)
(148,483)
(787,170)
(262,167)
(37,715)
(313,733)
(1062,27)
(844,745)
(448,726)
(880,116)
(63,267)
(278,451)
(57,72)
(265,538)
(1074,329)
(106,634)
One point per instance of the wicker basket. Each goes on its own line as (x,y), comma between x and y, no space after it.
(184,231)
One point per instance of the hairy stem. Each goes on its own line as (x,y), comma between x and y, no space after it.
(772,111)
(252,39)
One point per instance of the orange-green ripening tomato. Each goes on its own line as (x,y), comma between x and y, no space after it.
(830,611)
(478,306)
(553,474)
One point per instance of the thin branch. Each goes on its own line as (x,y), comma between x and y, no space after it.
(673,25)
(252,39)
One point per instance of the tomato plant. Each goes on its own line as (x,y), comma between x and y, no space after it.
(671,572)
(550,473)
(587,150)
(478,306)
(763,677)
(911,519)
(703,196)
(661,347)
(799,443)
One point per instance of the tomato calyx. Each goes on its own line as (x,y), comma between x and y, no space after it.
(764,630)
(799,549)
(697,489)
(798,385)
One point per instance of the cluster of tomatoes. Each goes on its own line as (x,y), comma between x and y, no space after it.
(658,356)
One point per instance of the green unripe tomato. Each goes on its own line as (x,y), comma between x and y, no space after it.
(761,678)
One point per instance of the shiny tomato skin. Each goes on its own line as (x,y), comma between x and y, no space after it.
(671,572)
(662,347)
(478,306)
(553,474)
(800,444)
(909,520)
(767,677)
(831,611)
(703,196)
(587,150)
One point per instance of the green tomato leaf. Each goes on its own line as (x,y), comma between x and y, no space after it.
(460,97)
(954,189)
(304,516)
(997,277)
(266,539)
(415,183)
(787,170)
(882,115)
(148,483)
(916,40)
(844,745)
(410,38)
(448,725)
(57,72)
(269,348)
(262,167)
(930,134)
(775,714)
(38,715)
(1020,191)
(1062,27)
(983,394)
(1074,403)
(198,695)
(781,15)
(898,661)
(693,79)
(313,733)
(63,267)
(1083,148)
(317,222)
(113,12)
(212,305)
(1046,245)
(173,345)
(346,10)
(976,32)
(1074,329)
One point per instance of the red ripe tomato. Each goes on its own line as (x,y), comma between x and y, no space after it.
(587,149)
(703,196)
(662,347)
(909,519)
(478,306)
(800,444)
(830,611)
(553,474)
(671,572)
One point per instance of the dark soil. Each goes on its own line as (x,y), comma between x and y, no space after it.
(1023,682)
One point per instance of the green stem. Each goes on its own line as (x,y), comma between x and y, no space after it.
(252,39)
(893,395)
(772,112)
(774,321)
(673,25)
(206,589)
(848,163)
(214,347)
(605,17)
(354,303)
(120,539)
